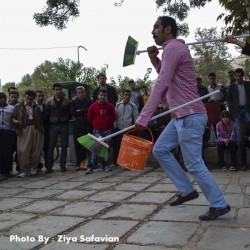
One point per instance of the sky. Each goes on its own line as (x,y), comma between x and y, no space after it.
(102,29)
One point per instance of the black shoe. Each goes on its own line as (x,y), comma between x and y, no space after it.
(89,171)
(48,170)
(181,199)
(77,168)
(9,175)
(63,170)
(213,213)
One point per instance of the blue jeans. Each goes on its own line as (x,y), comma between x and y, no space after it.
(243,117)
(187,132)
(92,156)
(55,130)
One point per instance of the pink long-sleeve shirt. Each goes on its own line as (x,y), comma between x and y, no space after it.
(176,80)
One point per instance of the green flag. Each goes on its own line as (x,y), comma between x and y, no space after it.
(130,51)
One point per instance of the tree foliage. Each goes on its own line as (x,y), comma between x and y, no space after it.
(7,85)
(236,20)
(210,58)
(57,13)
(47,73)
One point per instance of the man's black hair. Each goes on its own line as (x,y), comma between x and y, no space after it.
(102,91)
(14,92)
(39,91)
(11,88)
(57,85)
(3,95)
(126,91)
(30,93)
(169,21)
(239,71)
(212,74)
(101,74)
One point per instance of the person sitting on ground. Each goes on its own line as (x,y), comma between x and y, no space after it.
(226,134)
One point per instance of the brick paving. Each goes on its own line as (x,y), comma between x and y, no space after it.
(76,211)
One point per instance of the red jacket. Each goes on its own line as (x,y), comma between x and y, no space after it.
(101,116)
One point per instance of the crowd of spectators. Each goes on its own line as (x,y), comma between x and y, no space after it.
(31,127)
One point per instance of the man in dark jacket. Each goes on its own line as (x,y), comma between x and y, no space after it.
(79,110)
(111,91)
(7,137)
(58,114)
(239,103)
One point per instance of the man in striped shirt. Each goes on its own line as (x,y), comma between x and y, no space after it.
(176,80)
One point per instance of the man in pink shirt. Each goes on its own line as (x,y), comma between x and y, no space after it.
(176,80)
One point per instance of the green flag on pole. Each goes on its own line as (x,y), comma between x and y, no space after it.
(130,51)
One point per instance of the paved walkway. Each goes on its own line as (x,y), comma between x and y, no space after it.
(56,210)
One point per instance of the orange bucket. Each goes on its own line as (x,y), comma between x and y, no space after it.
(134,151)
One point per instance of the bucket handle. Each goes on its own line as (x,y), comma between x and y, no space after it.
(151,134)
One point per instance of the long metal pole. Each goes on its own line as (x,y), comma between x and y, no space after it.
(198,42)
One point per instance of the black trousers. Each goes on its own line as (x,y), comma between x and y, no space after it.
(7,148)
(232,146)
(80,128)
(243,151)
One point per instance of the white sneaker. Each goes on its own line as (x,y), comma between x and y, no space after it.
(232,168)
(22,174)
(33,172)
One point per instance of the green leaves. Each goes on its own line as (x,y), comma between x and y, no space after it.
(57,13)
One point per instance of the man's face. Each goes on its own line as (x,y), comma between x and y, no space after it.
(29,99)
(102,97)
(239,77)
(159,33)
(231,77)
(132,85)
(126,97)
(199,82)
(212,80)
(102,80)
(13,99)
(58,92)
(39,97)
(80,93)
(2,101)
(144,91)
